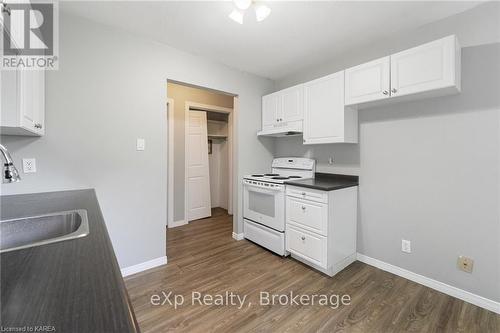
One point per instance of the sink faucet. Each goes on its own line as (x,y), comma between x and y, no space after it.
(10,174)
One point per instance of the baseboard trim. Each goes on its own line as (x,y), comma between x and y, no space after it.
(238,236)
(466,296)
(144,266)
(174,224)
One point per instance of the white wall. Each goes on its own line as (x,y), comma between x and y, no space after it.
(429,170)
(109,90)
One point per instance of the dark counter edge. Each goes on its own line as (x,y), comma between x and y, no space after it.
(92,195)
(326,182)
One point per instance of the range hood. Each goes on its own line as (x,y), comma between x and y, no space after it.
(290,129)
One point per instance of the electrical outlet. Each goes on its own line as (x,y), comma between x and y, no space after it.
(29,165)
(406,246)
(465,264)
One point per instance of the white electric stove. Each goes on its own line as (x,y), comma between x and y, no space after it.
(264,201)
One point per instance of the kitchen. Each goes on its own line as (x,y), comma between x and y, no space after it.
(421,168)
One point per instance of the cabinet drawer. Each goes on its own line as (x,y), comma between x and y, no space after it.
(307,194)
(306,245)
(309,215)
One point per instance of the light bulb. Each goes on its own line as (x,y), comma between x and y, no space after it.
(261,12)
(236,16)
(243,4)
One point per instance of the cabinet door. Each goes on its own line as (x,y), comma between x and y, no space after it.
(28,103)
(425,67)
(324,110)
(39,102)
(292,103)
(367,82)
(32,100)
(307,245)
(307,214)
(270,109)
(9,98)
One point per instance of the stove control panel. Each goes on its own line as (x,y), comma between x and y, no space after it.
(294,163)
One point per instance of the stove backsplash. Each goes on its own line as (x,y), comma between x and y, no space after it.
(345,155)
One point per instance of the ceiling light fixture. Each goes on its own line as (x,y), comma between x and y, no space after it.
(261,11)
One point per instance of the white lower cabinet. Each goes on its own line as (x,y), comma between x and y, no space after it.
(307,245)
(322,233)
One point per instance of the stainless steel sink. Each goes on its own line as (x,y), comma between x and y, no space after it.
(20,233)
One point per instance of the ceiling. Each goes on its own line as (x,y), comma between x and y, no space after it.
(296,35)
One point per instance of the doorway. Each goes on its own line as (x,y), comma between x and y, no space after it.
(200,150)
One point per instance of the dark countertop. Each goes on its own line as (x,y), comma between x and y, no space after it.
(75,285)
(326,182)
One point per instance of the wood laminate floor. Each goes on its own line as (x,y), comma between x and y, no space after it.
(203,257)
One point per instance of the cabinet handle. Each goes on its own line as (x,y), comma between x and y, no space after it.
(385,92)
(393,90)
(303,237)
(303,193)
(38,126)
(303,207)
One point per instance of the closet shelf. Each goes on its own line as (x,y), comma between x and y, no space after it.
(217,136)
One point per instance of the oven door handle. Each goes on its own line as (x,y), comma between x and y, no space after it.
(262,190)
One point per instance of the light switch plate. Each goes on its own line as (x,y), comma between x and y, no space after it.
(29,165)
(141,144)
(406,246)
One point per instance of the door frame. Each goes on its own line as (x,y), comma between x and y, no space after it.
(170,163)
(230,136)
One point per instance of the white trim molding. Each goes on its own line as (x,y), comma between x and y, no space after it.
(170,153)
(466,296)
(177,223)
(144,266)
(238,237)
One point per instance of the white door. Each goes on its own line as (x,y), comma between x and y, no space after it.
(271,105)
(198,182)
(292,103)
(425,67)
(367,82)
(324,110)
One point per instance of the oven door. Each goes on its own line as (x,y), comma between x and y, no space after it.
(265,205)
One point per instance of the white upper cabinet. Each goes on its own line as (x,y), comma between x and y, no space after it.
(23,102)
(427,67)
(292,101)
(368,82)
(271,105)
(283,111)
(326,120)
(428,70)
(22,96)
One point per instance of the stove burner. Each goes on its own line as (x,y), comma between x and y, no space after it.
(271,174)
(294,177)
(280,177)
(257,175)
